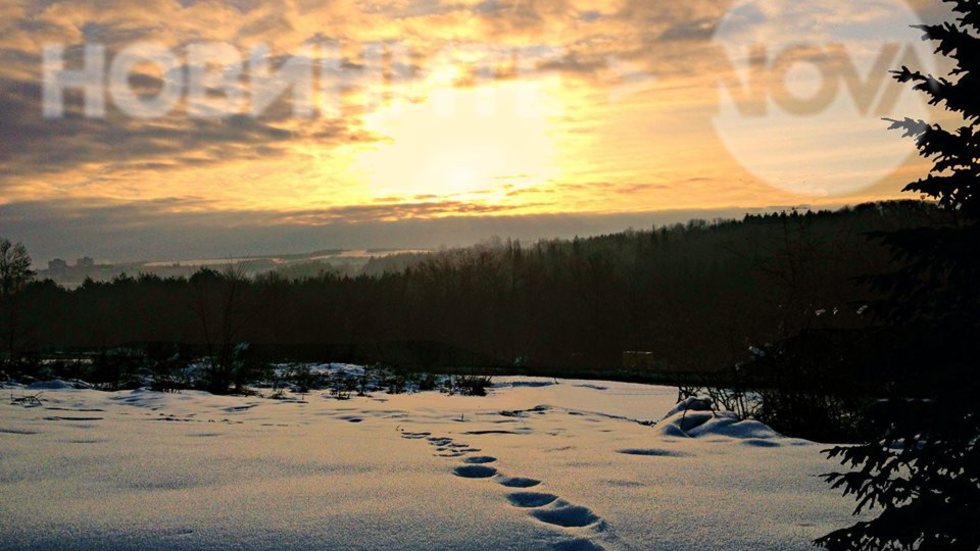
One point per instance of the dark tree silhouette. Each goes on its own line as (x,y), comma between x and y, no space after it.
(222,311)
(922,471)
(15,272)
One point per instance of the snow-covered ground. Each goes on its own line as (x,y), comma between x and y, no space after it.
(538,464)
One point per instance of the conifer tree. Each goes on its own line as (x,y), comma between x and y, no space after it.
(921,472)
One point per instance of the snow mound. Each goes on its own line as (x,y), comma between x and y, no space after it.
(697,423)
(690,404)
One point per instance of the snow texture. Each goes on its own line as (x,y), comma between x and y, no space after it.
(538,464)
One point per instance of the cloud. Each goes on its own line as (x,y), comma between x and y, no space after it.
(177,228)
(655,146)
(700,29)
(32,144)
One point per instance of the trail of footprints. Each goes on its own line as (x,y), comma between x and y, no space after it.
(545,507)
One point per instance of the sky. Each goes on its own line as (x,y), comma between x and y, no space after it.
(438,122)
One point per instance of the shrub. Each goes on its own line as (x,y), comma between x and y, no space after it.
(468,385)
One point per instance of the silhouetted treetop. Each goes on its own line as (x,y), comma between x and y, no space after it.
(955,153)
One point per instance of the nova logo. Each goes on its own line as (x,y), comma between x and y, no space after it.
(805,88)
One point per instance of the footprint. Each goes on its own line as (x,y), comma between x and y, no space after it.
(239,409)
(545,507)
(530,499)
(481,432)
(479,459)
(474,471)
(760,443)
(653,452)
(173,532)
(623,483)
(593,387)
(566,515)
(517,482)
(16,431)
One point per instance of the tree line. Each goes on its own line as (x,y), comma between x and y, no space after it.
(697,296)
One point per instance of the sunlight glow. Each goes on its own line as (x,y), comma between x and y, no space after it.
(463,140)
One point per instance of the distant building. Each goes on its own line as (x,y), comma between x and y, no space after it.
(85,262)
(57,265)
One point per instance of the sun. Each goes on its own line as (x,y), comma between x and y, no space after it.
(460,141)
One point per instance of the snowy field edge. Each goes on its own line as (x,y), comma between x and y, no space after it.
(537,464)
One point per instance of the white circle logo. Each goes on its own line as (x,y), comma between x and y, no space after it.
(808,85)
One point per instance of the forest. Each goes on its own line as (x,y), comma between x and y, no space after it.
(697,298)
